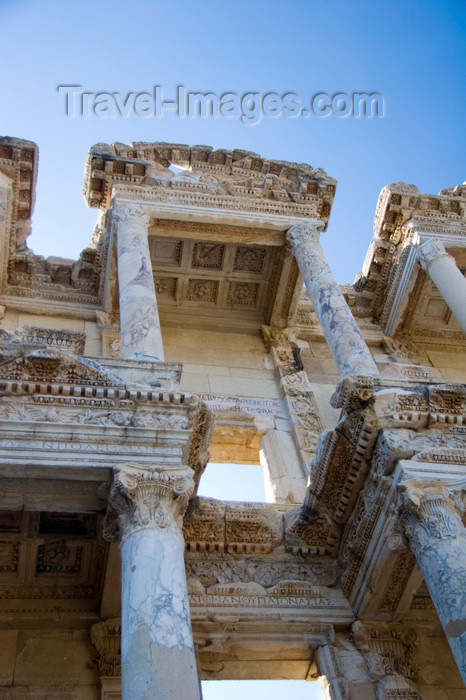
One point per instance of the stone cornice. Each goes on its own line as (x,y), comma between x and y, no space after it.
(403,217)
(235,180)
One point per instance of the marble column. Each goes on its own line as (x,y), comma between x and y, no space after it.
(141,338)
(438,539)
(341,331)
(443,271)
(157,651)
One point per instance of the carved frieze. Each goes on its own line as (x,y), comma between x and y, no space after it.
(232,527)
(71,341)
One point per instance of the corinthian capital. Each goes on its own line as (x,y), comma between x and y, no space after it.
(145,498)
(428,515)
(304,231)
(430,250)
(106,637)
(130,214)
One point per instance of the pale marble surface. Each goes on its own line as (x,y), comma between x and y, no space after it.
(438,539)
(447,277)
(341,331)
(156,627)
(141,338)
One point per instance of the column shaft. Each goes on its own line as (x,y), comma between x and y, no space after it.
(444,273)
(141,338)
(438,539)
(341,331)
(157,651)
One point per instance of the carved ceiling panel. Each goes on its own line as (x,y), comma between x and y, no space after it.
(222,276)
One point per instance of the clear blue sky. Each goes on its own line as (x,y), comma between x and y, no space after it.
(412,52)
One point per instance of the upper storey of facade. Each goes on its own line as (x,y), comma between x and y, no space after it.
(217,236)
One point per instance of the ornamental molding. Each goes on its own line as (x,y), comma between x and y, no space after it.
(309,530)
(236,528)
(25,362)
(24,275)
(205,570)
(299,399)
(70,341)
(237,180)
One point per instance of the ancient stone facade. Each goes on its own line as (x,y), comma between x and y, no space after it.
(183,334)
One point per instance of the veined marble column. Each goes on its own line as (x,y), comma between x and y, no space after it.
(141,338)
(443,271)
(438,539)
(157,651)
(341,331)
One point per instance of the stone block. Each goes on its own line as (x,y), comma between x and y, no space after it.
(8,644)
(237,386)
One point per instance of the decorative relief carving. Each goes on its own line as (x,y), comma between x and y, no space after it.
(58,557)
(148,498)
(71,341)
(447,403)
(218,526)
(387,649)
(400,350)
(107,322)
(396,585)
(243,293)
(202,290)
(26,362)
(310,532)
(427,518)
(214,569)
(111,345)
(208,255)
(106,637)
(9,556)
(249,259)
(430,250)
(353,392)
(166,287)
